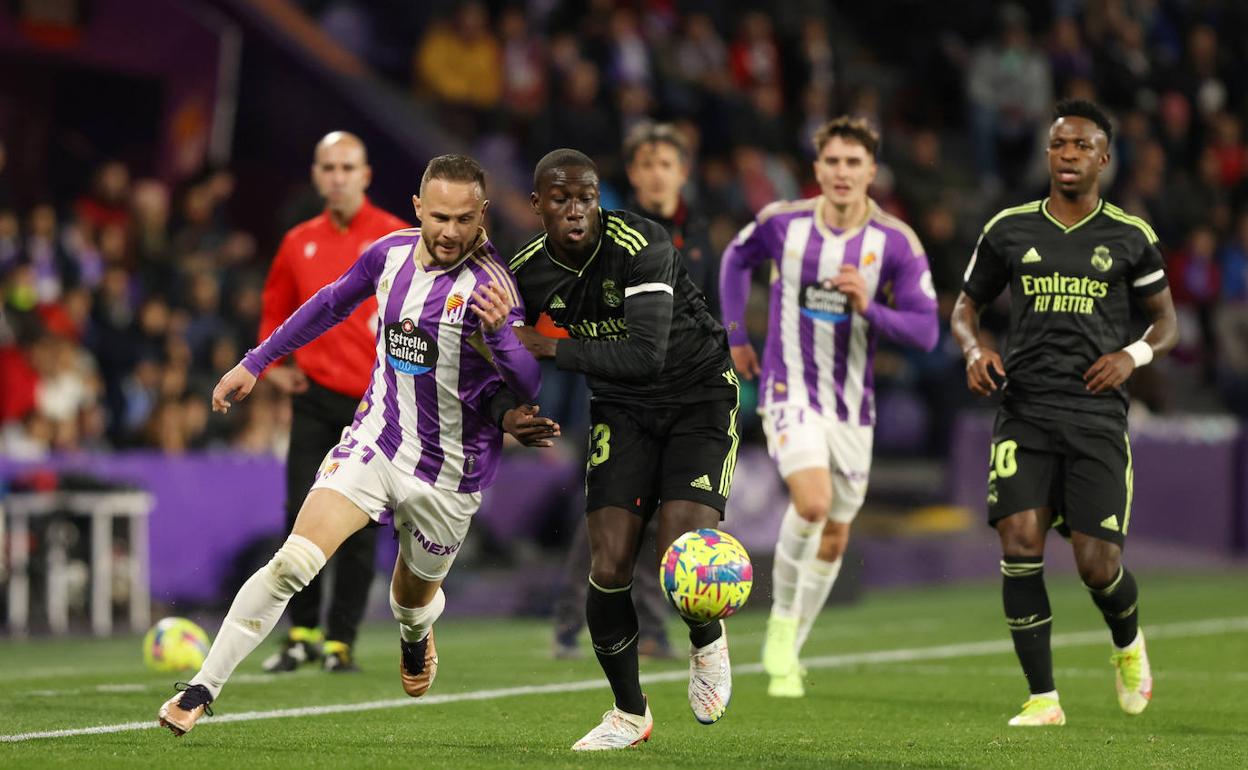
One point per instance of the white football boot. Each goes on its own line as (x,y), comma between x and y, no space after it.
(618,730)
(710,679)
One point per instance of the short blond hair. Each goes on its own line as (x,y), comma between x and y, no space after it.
(854,129)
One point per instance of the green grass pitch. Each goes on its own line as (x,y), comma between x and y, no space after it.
(914,678)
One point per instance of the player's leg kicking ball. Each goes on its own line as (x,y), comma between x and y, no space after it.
(706,574)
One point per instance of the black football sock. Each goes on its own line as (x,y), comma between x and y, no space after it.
(612,622)
(1118,603)
(1029,617)
(703,632)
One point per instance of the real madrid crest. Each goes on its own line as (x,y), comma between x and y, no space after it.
(1101,259)
(611,296)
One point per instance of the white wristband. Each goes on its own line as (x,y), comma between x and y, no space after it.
(1141,353)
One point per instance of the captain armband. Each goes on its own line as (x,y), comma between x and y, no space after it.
(1140,351)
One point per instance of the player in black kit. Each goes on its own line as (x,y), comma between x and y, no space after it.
(664,407)
(1060,454)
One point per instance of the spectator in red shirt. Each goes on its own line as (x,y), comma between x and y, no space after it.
(327,380)
(108,201)
(754,55)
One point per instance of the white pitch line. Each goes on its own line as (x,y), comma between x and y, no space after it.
(1010,672)
(903,655)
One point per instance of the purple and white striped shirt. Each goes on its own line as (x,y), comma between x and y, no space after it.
(427,407)
(819,352)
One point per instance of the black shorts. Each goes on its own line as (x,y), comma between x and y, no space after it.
(1082,472)
(642,455)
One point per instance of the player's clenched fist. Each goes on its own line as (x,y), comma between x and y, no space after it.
(491,305)
(851,283)
(981,365)
(237,382)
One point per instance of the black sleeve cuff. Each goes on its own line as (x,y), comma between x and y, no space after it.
(501,402)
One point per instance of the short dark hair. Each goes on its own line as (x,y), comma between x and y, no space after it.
(454,168)
(647,132)
(1082,108)
(854,129)
(561,158)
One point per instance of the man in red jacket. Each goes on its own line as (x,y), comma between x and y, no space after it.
(327,380)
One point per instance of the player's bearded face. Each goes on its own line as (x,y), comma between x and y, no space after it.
(451,215)
(567,202)
(844,170)
(1077,154)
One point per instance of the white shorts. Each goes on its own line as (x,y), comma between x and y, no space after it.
(432,523)
(798,438)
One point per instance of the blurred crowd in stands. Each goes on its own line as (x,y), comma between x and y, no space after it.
(122,307)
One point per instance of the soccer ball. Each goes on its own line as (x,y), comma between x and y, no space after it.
(175,644)
(706,574)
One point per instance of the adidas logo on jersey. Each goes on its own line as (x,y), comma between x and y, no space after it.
(1110,522)
(1031,256)
(557,303)
(702,482)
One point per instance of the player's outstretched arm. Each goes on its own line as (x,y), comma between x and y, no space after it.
(323,310)
(237,382)
(981,362)
(1113,369)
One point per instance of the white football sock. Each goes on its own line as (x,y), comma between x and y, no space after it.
(796,536)
(415,622)
(257,607)
(814,585)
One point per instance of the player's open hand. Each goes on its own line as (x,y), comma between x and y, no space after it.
(538,344)
(851,283)
(491,304)
(288,379)
(529,429)
(981,366)
(237,382)
(1109,371)
(745,360)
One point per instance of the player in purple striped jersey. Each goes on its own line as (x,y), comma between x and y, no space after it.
(425,440)
(844,274)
